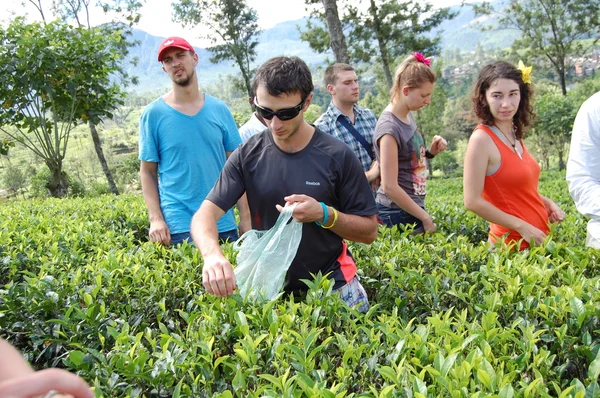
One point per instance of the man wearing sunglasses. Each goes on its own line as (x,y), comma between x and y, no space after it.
(291,162)
(185,137)
(347,121)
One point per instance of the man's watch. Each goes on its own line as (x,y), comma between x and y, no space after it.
(429,155)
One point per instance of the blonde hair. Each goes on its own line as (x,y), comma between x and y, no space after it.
(412,73)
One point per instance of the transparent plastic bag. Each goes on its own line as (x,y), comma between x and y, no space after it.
(264,256)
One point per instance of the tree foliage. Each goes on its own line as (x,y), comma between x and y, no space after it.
(552,30)
(52,77)
(321,39)
(391,28)
(126,13)
(387,30)
(555,116)
(233,30)
(5,145)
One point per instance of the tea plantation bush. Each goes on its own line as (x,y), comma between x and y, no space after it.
(82,289)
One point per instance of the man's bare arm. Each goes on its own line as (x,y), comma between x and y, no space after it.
(159,231)
(217,273)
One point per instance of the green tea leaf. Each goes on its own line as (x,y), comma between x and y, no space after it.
(76,357)
(594,368)
(419,386)
(507,392)
(577,307)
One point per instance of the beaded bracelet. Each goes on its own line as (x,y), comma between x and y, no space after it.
(325,215)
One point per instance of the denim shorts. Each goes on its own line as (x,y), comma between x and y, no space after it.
(354,294)
(227,236)
(391,216)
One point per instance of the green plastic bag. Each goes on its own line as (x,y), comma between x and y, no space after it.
(264,256)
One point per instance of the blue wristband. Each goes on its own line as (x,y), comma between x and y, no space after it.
(325,215)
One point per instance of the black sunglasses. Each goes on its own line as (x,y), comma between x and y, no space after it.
(282,114)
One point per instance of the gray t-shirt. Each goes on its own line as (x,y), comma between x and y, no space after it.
(326,170)
(412,163)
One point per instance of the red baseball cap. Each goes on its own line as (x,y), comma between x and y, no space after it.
(173,41)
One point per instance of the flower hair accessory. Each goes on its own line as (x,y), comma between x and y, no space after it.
(525,72)
(421,58)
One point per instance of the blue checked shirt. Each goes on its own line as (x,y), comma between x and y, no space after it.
(364,123)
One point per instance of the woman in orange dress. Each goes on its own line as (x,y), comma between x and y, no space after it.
(500,177)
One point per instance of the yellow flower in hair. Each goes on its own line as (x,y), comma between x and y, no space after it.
(525,71)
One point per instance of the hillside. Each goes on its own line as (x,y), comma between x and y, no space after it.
(284,39)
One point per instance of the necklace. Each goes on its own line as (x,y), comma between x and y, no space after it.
(514,145)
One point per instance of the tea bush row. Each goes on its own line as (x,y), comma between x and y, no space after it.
(81,288)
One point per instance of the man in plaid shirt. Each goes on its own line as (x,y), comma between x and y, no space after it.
(342,83)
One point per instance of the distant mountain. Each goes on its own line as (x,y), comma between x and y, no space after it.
(284,39)
(467,30)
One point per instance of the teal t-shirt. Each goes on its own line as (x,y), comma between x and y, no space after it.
(190,152)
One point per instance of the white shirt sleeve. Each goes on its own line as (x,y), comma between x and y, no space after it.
(583,166)
(251,127)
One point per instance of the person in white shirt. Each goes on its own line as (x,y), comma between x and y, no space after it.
(255,125)
(583,167)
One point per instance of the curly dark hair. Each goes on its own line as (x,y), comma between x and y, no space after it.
(284,76)
(524,117)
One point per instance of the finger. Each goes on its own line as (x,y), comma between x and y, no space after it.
(207,277)
(40,383)
(229,279)
(539,241)
(160,236)
(279,208)
(296,198)
(219,284)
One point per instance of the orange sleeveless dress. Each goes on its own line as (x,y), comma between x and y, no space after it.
(513,188)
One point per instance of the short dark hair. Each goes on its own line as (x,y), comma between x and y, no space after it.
(284,75)
(523,119)
(332,71)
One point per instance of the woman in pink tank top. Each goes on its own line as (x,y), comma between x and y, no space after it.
(500,176)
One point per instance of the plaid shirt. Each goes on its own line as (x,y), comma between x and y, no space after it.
(364,123)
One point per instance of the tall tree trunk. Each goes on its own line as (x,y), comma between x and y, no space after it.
(337,41)
(383,51)
(98,147)
(563,79)
(561,162)
(59,182)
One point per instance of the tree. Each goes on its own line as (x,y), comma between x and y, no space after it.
(321,40)
(387,30)
(555,116)
(14,179)
(52,77)
(5,145)
(233,31)
(393,28)
(457,118)
(552,29)
(79,11)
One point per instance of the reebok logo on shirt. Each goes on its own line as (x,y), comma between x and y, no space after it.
(315,183)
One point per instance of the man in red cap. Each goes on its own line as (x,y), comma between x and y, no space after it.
(185,137)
